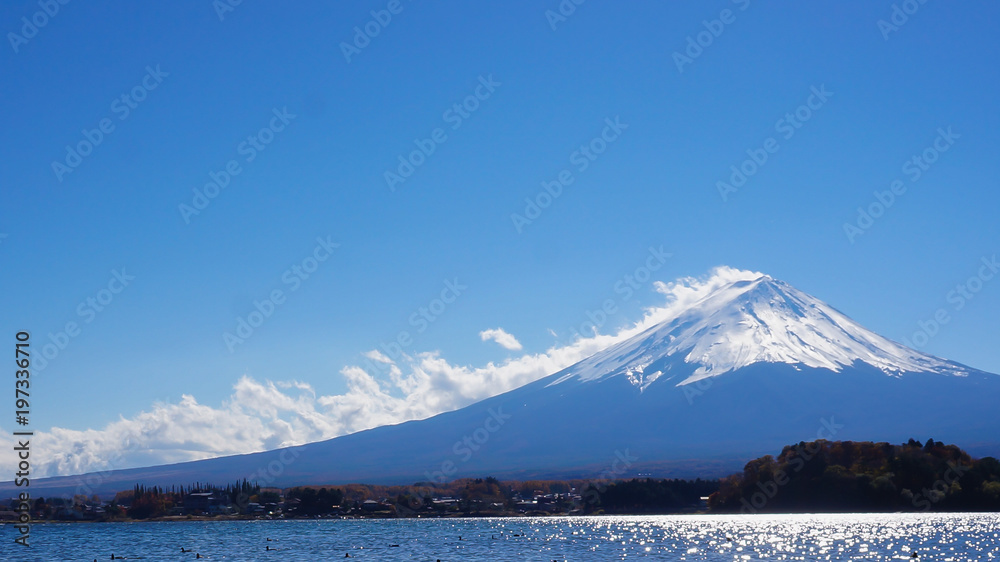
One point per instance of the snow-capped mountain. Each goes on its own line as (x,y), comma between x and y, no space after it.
(739,371)
(753,320)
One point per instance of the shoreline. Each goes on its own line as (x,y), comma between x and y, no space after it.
(220,519)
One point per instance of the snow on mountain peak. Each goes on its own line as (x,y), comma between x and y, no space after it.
(739,318)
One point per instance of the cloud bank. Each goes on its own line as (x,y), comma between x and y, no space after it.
(501,336)
(263,415)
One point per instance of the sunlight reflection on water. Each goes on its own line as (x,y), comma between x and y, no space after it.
(938,537)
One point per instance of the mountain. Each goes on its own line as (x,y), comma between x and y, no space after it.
(752,321)
(751,366)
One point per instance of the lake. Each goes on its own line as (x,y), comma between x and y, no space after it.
(937,537)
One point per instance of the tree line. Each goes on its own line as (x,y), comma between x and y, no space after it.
(848,476)
(145,502)
(818,476)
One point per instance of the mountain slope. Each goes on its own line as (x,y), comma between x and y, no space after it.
(750,367)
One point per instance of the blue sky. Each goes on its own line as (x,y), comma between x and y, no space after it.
(208,83)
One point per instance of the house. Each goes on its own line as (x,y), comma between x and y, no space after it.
(372,505)
(206,502)
(198,502)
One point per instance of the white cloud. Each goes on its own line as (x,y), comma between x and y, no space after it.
(501,336)
(259,416)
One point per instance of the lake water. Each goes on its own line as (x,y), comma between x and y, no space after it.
(937,537)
